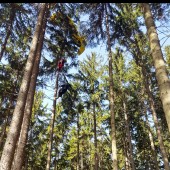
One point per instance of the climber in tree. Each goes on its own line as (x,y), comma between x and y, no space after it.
(60,64)
(62,89)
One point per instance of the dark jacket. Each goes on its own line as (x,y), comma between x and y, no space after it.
(62,89)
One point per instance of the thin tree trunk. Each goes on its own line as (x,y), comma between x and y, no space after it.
(88,146)
(78,142)
(14,131)
(18,161)
(111,99)
(81,161)
(152,143)
(55,161)
(9,29)
(90,166)
(128,134)
(2,99)
(32,150)
(95,138)
(126,163)
(159,63)
(101,161)
(52,124)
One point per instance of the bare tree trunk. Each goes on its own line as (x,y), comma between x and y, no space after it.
(18,161)
(152,144)
(95,138)
(32,150)
(55,162)
(128,135)
(111,99)
(90,166)
(52,124)
(78,142)
(14,131)
(81,161)
(9,29)
(126,163)
(159,63)
(2,99)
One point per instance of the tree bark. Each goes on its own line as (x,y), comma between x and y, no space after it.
(14,131)
(128,135)
(55,161)
(159,63)
(81,161)
(18,161)
(52,124)
(111,98)
(127,165)
(95,138)
(78,142)
(152,144)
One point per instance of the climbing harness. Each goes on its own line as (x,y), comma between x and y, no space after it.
(63,89)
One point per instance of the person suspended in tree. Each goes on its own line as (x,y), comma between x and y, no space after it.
(63,89)
(60,64)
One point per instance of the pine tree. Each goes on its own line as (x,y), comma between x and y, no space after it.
(99,15)
(18,160)
(13,134)
(52,123)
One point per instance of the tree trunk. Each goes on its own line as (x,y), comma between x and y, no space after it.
(152,144)
(52,124)
(159,63)
(32,150)
(128,136)
(14,131)
(18,161)
(55,161)
(9,29)
(81,161)
(78,142)
(111,99)
(125,153)
(95,138)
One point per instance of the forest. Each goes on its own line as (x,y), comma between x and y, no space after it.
(108,111)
